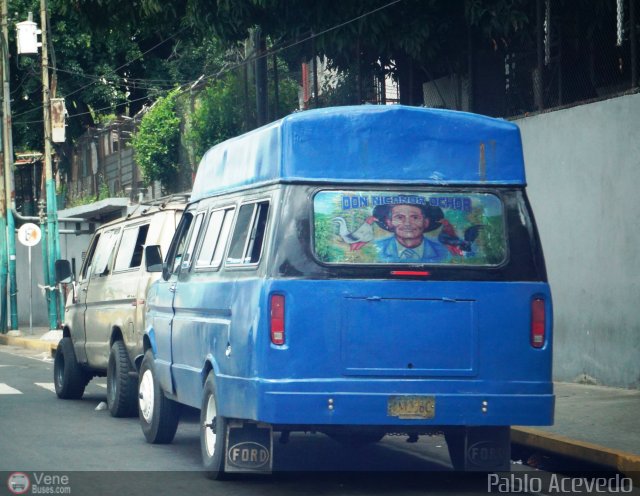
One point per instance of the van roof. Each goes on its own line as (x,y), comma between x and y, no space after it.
(367,144)
(147,210)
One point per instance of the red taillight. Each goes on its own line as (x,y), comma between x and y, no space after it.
(410,273)
(277,319)
(537,323)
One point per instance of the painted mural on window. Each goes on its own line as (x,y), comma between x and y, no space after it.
(378,227)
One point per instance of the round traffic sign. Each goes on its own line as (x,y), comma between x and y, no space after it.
(29,234)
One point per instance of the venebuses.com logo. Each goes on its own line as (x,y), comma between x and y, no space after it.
(18,483)
(38,483)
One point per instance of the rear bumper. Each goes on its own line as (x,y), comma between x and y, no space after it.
(339,403)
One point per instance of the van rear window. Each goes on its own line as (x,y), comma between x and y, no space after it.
(391,227)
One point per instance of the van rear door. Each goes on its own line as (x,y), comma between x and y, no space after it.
(458,309)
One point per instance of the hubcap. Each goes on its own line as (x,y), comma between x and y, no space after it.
(145,396)
(210,426)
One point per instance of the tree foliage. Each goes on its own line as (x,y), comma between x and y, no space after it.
(223,109)
(157,141)
(113,57)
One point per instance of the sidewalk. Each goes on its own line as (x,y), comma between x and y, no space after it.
(595,424)
(38,339)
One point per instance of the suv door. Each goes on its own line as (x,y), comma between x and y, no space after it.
(77,304)
(129,282)
(98,299)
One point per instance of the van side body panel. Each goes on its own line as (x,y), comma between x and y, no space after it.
(220,320)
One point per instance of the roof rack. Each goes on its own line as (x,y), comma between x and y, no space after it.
(159,203)
(165,200)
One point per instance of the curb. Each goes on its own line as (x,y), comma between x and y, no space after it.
(29,343)
(621,461)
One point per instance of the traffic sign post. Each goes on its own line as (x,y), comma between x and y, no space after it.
(29,235)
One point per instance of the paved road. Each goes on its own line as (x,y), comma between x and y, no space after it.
(85,451)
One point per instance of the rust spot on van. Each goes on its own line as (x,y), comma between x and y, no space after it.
(482,165)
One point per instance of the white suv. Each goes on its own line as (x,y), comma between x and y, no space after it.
(104,312)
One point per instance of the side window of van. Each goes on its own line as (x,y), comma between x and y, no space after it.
(86,269)
(179,243)
(104,252)
(131,247)
(215,238)
(246,244)
(188,254)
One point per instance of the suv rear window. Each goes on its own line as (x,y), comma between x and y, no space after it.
(391,227)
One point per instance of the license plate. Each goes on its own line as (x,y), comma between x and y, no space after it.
(411,407)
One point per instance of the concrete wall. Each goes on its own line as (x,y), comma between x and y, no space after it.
(71,248)
(583,171)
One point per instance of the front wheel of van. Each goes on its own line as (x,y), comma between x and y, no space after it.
(69,377)
(159,416)
(121,386)
(212,432)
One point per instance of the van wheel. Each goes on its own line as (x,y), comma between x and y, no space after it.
(158,414)
(213,429)
(455,438)
(121,387)
(69,378)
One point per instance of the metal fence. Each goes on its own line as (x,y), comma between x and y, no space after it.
(569,53)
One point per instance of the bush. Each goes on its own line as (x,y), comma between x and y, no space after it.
(157,140)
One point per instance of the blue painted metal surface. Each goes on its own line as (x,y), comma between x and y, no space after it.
(358,357)
(370,143)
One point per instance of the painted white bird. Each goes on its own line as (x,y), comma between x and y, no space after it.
(358,238)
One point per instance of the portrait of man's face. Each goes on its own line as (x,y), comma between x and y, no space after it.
(408,223)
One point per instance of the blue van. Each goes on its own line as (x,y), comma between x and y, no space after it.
(355,271)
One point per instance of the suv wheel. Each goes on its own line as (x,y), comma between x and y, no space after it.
(69,378)
(121,387)
(213,429)
(158,414)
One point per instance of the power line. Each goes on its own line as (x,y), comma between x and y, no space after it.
(218,74)
(82,113)
(312,36)
(124,79)
(130,61)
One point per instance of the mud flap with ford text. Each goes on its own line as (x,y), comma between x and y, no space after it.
(249,447)
(480,449)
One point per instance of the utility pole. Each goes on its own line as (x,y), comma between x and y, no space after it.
(3,246)
(53,247)
(3,255)
(10,192)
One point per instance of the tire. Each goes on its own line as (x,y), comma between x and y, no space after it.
(213,430)
(121,387)
(159,416)
(69,378)
(455,438)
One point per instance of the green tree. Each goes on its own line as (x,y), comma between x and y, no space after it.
(156,143)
